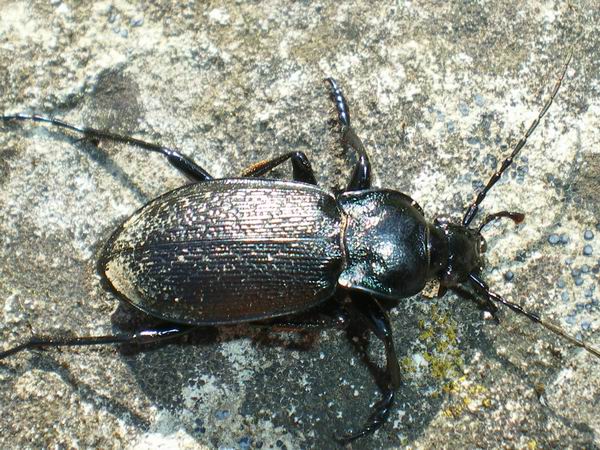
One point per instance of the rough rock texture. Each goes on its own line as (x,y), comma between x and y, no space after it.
(439,92)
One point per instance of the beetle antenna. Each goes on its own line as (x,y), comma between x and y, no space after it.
(514,216)
(482,287)
(474,207)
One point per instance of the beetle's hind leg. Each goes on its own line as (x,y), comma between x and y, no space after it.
(178,160)
(361,175)
(301,168)
(140,337)
(322,317)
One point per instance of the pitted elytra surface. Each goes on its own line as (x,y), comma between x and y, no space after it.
(227,251)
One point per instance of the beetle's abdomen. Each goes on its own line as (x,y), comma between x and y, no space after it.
(228,251)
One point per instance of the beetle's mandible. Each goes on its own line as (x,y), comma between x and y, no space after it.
(246,249)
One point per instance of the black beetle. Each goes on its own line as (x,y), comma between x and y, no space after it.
(222,251)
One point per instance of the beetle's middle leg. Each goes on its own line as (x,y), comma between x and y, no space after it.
(141,337)
(301,168)
(331,314)
(376,319)
(361,175)
(179,161)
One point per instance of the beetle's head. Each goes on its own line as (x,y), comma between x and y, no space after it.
(465,247)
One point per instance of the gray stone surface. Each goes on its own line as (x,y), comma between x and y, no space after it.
(437,90)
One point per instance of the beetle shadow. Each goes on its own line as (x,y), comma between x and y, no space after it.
(86,392)
(102,157)
(518,362)
(321,363)
(91,149)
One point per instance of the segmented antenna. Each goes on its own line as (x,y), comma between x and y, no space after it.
(474,207)
(482,286)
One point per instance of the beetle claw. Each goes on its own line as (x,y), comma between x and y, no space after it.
(377,419)
(491,315)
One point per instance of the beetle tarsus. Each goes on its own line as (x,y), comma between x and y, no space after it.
(376,319)
(361,174)
(337,97)
(377,419)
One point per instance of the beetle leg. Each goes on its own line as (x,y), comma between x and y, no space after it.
(179,161)
(319,318)
(487,306)
(302,170)
(378,322)
(140,337)
(361,175)
(483,303)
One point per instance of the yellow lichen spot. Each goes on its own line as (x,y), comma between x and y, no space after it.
(439,368)
(450,387)
(441,347)
(426,335)
(451,335)
(453,411)
(407,365)
(477,389)
(532,445)
(486,403)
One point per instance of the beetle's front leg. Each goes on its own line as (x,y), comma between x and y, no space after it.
(376,319)
(302,170)
(361,175)
(483,303)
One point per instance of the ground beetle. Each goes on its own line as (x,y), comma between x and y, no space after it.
(222,251)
